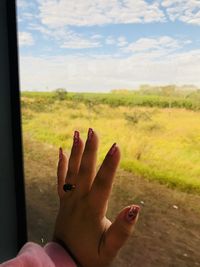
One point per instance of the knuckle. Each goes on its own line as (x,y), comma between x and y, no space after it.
(100,181)
(125,229)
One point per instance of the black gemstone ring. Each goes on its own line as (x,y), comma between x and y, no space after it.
(69,187)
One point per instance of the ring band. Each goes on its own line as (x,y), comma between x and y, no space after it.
(69,187)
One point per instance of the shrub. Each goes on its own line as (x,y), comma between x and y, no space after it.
(60,94)
(137,116)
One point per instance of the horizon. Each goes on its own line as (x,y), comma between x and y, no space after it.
(100,46)
(179,88)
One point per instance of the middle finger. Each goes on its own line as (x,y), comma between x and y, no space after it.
(87,169)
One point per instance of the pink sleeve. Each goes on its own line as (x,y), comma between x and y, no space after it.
(33,255)
(59,255)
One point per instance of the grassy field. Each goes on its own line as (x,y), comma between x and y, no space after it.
(157,142)
(167,233)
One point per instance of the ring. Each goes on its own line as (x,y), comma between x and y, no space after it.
(69,187)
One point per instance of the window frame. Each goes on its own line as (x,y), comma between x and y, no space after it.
(13,232)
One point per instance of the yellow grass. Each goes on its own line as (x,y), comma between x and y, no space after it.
(166,146)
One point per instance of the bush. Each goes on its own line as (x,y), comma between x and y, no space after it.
(137,116)
(60,94)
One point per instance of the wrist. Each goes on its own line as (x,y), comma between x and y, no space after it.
(67,249)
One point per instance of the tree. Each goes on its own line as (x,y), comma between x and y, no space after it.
(60,94)
(168,91)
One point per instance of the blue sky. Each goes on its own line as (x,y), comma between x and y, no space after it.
(102,45)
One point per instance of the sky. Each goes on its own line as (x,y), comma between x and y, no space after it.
(100,45)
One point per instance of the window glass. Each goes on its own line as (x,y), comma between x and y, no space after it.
(130,70)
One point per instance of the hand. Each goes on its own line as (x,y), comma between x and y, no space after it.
(81,224)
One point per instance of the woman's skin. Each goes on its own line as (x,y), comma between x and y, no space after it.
(81,225)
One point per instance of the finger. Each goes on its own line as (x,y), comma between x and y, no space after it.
(102,185)
(119,231)
(61,172)
(87,169)
(74,159)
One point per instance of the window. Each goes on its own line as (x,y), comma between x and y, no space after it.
(130,69)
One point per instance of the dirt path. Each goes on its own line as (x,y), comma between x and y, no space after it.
(168,230)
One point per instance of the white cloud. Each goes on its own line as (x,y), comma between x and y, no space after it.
(67,38)
(118,41)
(110,40)
(161,45)
(44,30)
(28,16)
(59,13)
(187,11)
(121,41)
(84,73)
(96,36)
(94,12)
(22,3)
(79,43)
(25,39)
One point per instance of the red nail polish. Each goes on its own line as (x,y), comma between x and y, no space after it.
(112,149)
(60,153)
(76,138)
(90,133)
(132,213)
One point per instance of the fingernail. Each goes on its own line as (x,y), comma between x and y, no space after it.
(76,138)
(132,213)
(60,153)
(112,149)
(90,133)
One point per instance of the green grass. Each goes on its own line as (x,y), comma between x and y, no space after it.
(134,98)
(156,143)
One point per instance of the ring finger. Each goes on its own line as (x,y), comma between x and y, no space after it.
(74,159)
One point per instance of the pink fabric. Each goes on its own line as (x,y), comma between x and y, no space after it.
(59,255)
(33,255)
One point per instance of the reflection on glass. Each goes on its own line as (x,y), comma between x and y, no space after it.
(129,69)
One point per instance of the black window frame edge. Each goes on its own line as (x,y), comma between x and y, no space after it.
(16,123)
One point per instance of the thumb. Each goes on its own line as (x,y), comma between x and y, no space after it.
(120,230)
